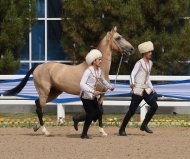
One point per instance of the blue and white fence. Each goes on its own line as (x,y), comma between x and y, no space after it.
(172,87)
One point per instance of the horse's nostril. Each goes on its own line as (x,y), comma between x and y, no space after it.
(132,50)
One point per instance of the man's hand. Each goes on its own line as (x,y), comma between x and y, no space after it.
(132,86)
(112,88)
(96,93)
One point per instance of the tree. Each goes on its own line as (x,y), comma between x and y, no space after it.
(161,21)
(164,20)
(176,59)
(8,64)
(16,17)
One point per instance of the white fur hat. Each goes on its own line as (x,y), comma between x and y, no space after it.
(146,47)
(93,55)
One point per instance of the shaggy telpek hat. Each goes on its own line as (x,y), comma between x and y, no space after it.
(93,55)
(146,47)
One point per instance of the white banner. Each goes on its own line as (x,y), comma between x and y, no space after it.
(176,89)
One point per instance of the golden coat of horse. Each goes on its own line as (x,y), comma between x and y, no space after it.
(51,79)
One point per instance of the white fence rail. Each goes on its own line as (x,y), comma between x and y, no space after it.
(61,110)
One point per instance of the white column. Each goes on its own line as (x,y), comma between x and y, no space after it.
(60,112)
(143,111)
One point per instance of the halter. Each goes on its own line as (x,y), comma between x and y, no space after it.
(117,45)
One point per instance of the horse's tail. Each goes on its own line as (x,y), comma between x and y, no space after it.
(21,85)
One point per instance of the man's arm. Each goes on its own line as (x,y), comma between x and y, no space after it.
(133,74)
(83,82)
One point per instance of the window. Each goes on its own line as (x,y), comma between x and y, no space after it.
(38,41)
(44,42)
(25,50)
(24,67)
(41,8)
(54,8)
(55,51)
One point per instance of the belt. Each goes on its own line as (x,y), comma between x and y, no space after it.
(143,86)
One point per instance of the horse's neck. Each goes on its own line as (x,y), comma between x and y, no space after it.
(104,47)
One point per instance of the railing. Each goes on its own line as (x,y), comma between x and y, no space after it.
(60,107)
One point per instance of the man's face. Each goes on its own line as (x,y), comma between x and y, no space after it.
(148,55)
(98,62)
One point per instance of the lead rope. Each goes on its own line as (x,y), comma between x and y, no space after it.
(115,81)
(118,69)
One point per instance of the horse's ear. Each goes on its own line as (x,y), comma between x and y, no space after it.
(114,29)
(108,36)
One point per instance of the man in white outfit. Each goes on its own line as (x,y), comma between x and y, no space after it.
(91,77)
(142,88)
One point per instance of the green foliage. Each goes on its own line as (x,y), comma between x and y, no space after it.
(176,58)
(15,21)
(86,22)
(8,64)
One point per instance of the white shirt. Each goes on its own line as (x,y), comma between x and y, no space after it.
(140,77)
(89,81)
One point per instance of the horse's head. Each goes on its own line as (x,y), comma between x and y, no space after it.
(118,43)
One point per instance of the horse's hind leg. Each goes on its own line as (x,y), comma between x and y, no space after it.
(101,110)
(101,130)
(39,103)
(40,115)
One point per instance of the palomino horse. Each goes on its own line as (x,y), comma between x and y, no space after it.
(51,79)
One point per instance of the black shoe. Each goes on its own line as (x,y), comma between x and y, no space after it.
(122,132)
(145,128)
(75,123)
(84,136)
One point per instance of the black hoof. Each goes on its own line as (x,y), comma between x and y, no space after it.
(146,129)
(35,127)
(122,133)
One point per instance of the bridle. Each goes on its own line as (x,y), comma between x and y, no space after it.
(116,43)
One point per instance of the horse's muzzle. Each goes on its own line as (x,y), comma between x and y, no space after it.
(128,51)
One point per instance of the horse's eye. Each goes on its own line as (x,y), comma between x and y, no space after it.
(118,38)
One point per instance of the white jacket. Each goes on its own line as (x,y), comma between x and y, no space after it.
(89,81)
(140,77)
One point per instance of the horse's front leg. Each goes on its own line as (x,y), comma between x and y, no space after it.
(101,110)
(39,112)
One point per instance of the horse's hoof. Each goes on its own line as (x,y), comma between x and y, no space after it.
(102,132)
(45,132)
(36,127)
